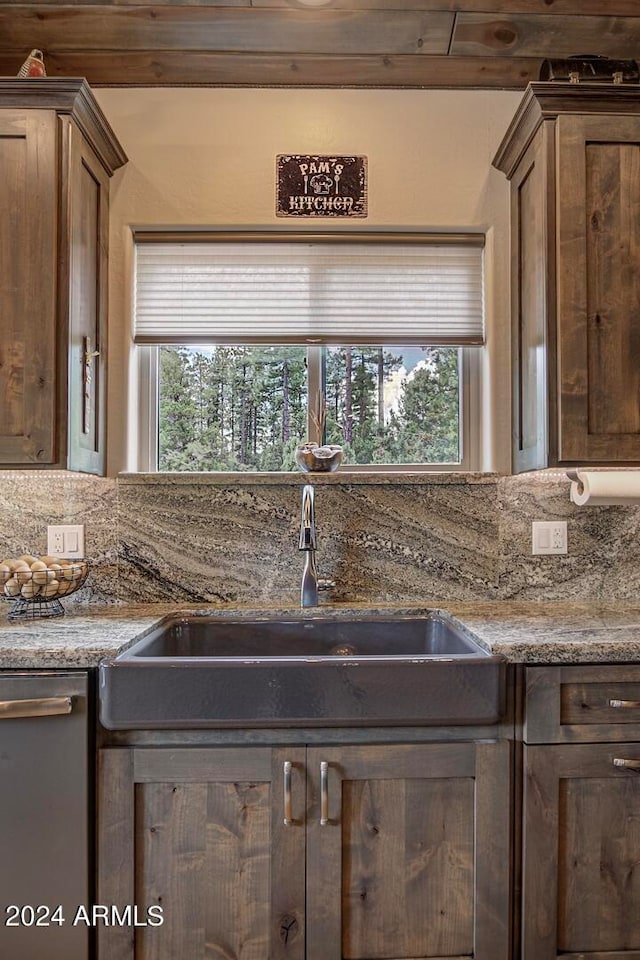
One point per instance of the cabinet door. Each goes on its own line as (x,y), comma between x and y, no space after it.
(581,883)
(28,221)
(201,832)
(532,342)
(84,293)
(598,288)
(408,852)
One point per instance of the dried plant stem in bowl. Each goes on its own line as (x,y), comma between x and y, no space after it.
(319,415)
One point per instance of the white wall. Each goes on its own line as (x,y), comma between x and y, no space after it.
(206,157)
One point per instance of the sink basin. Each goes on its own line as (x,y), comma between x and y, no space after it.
(200,637)
(311,671)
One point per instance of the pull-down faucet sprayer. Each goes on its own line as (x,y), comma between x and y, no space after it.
(310,582)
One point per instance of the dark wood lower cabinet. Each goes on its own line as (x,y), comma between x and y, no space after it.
(396,851)
(414,861)
(581,880)
(200,832)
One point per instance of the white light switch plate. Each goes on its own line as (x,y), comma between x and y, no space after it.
(66,540)
(548,537)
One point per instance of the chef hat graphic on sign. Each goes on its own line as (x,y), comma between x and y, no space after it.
(321,184)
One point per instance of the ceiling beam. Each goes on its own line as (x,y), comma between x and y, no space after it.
(224,29)
(545,36)
(171,68)
(613,8)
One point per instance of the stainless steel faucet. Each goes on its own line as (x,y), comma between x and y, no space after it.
(310,581)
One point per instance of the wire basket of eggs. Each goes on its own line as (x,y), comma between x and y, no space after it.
(35,584)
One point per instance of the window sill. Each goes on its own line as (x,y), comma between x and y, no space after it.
(340,477)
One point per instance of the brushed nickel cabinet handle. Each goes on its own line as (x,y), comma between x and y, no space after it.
(629,764)
(324,793)
(625,704)
(44,707)
(288,803)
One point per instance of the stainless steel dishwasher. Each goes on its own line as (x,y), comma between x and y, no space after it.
(44,830)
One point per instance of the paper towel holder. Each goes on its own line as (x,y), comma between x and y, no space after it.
(604,487)
(573,476)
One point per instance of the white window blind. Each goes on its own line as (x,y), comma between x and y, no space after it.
(309,292)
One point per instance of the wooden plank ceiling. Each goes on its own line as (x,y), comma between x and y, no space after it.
(313,43)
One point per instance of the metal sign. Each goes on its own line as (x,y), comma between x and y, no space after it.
(310,186)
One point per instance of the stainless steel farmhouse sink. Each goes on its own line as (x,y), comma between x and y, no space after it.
(308,671)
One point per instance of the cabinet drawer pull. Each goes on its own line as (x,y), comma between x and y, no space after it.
(625,704)
(629,764)
(43,707)
(324,793)
(288,804)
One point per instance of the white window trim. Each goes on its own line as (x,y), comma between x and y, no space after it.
(147,409)
(471,388)
(470,418)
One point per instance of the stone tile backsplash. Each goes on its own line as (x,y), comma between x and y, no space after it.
(30,500)
(377,541)
(182,538)
(603,561)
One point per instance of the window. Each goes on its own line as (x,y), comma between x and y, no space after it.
(249,346)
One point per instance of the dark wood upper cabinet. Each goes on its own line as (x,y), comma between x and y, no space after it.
(57,153)
(572,155)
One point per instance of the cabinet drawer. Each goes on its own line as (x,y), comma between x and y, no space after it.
(582,704)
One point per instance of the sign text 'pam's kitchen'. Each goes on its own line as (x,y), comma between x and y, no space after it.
(321,186)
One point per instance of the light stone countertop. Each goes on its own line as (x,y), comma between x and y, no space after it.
(525,632)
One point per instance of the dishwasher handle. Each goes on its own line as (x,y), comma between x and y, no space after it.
(42,707)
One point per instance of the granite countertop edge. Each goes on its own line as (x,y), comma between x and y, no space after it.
(580,632)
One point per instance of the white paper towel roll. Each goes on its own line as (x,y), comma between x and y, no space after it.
(598,488)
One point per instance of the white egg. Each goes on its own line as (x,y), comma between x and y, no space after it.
(30,590)
(12,587)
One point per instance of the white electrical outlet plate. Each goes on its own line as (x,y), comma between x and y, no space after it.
(548,537)
(66,540)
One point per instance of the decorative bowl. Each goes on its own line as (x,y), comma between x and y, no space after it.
(35,584)
(312,458)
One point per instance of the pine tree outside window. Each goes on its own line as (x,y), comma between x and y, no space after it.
(242,337)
